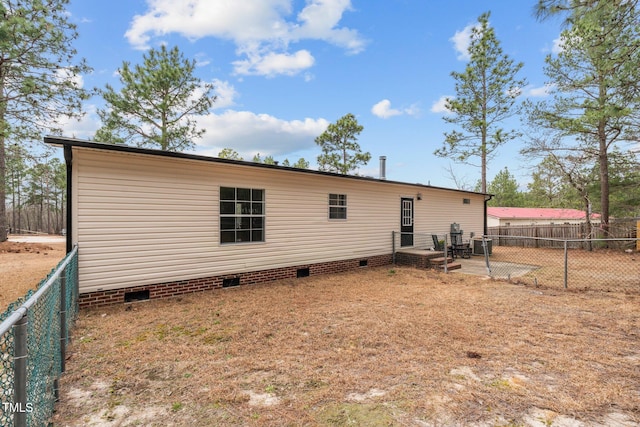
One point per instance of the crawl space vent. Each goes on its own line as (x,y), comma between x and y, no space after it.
(136,296)
(231,281)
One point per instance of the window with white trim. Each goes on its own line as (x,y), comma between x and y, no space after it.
(337,206)
(242,215)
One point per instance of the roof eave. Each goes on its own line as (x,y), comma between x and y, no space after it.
(73,142)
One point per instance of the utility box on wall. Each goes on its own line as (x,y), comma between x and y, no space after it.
(479,250)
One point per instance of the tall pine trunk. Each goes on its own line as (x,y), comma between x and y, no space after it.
(3,187)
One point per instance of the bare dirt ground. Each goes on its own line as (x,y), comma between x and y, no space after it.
(24,264)
(377,347)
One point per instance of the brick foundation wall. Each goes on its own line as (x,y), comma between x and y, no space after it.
(414,260)
(181,287)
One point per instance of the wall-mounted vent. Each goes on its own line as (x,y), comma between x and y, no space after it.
(230,282)
(466,201)
(364,262)
(136,296)
(302,272)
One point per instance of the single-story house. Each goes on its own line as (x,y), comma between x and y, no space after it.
(506,216)
(152,223)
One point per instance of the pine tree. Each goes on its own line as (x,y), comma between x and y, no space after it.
(157,103)
(504,187)
(231,154)
(486,95)
(39,73)
(597,88)
(340,150)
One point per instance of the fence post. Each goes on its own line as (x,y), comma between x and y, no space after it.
(485,251)
(20,372)
(63,318)
(76,282)
(63,330)
(393,246)
(566,264)
(446,254)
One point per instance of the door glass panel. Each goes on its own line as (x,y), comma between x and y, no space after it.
(407,213)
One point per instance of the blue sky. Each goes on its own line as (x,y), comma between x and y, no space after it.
(283,70)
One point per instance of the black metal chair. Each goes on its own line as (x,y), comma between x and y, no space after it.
(438,245)
(459,247)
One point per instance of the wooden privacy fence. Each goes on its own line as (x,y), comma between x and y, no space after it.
(509,235)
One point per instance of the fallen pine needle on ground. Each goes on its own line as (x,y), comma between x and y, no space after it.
(381,346)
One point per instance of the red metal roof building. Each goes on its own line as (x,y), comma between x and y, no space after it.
(504,216)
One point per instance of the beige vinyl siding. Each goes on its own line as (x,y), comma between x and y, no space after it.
(492,221)
(143,219)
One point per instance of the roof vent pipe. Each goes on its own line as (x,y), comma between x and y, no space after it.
(383,167)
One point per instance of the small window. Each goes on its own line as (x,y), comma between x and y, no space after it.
(337,206)
(466,201)
(241,215)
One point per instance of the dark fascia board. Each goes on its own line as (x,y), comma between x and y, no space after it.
(80,143)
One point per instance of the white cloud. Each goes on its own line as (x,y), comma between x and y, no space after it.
(66,75)
(249,133)
(225,93)
(440,106)
(202,59)
(244,131)
(557,46)
(461,41)
(319,21)
(383,110)
(513,92)
(273,64)
(83,128)
(539,92)
(261,29)
(412,110)
(239,21)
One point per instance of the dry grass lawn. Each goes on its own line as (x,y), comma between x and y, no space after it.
(377,347)
(607,270)
(24,265)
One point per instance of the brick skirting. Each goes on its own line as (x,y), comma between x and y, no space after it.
(413,259)
(181,287)
(419,258)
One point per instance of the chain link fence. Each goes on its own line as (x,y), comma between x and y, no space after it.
(580,264)
(33,337)
(419,241)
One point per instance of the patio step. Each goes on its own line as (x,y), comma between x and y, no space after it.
(438,263)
